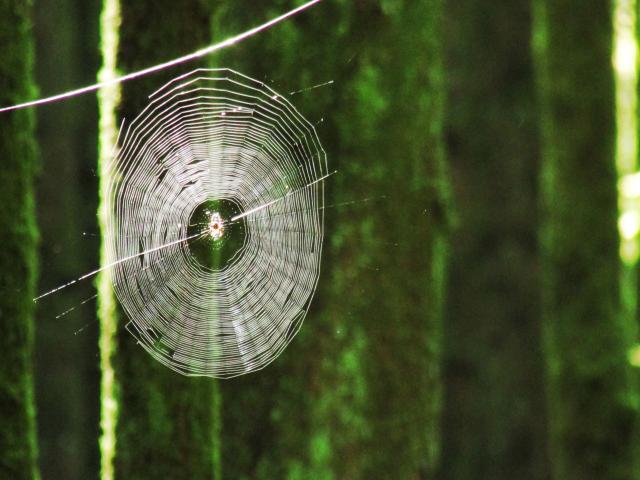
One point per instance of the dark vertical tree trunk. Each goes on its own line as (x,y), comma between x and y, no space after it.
(493,414)
(166,423)
(357,393)
(391,135)
(592,398)
(18,237)
(66,347)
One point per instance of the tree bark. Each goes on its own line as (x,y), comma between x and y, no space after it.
(18,237)
(67,374)
(166,423)
(494,421)
(592,399)
(357,393)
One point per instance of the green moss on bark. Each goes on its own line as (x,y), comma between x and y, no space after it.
(591,393)
(357,393)
(18,237)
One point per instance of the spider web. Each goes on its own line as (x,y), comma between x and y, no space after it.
(215,135)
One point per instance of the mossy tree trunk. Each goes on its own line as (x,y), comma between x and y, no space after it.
(493,414)
(166,423)
(357,392)
(18,237)
(591,393)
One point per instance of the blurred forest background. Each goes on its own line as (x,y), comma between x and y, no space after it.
(476,315)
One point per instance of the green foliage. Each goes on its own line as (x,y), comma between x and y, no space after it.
(593,404)
(18,237)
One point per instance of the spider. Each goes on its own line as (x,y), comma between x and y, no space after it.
(216,226)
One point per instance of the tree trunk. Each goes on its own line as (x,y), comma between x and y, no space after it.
(493,416)
(357,392)
(591,393)
(166,423)
(18,237)
(66,370)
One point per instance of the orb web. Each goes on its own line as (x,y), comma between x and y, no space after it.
(216,205)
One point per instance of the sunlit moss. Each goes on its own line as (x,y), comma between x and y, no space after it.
(320,448)
(108,99)
(624,63)
(634,355)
